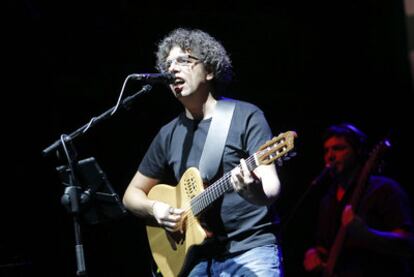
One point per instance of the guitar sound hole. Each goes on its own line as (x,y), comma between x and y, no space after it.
(190,187)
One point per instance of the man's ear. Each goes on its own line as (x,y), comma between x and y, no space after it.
(210,76)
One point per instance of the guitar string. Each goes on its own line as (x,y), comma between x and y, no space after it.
(201,199)
(188,212)
(204,198)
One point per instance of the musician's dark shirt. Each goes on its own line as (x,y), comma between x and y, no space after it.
(385,207)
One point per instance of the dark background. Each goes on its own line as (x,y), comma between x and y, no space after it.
(307,64)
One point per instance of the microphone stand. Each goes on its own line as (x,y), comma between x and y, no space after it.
(126,103)
(315,183)
(73,197)
(285,222)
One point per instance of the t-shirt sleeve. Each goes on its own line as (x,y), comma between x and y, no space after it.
(396,210)
(258,131)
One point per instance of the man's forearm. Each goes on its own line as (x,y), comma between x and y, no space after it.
(394,243)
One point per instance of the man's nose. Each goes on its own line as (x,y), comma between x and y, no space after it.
(330,156)
(174,68)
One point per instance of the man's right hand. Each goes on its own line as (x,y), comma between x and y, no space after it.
(314,259)
(167,217)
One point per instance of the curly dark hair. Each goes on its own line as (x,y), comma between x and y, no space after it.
(210,51)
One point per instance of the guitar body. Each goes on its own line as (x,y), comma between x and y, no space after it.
(170,250)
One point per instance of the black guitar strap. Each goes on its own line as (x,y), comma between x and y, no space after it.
(216,139)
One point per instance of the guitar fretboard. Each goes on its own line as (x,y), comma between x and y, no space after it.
(217,189)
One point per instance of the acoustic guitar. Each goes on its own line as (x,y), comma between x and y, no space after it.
(172,251)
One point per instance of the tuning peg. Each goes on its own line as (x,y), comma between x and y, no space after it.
(292,154)
(279,162)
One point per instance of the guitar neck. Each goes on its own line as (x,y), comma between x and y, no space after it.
(334,252)
(217,189)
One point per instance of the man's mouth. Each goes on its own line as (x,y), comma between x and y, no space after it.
(178,81)
(178,85)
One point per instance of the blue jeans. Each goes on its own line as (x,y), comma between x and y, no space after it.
(263,261)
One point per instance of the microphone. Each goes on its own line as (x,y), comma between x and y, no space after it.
(166,78)
(322,176)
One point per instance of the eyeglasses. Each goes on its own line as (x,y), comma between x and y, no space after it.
(181,61)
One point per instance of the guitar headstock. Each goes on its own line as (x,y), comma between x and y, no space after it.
(276,148)
(375,156)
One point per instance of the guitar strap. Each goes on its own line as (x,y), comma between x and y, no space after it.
(216,139)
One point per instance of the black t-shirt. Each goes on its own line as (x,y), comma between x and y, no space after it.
(237,224)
